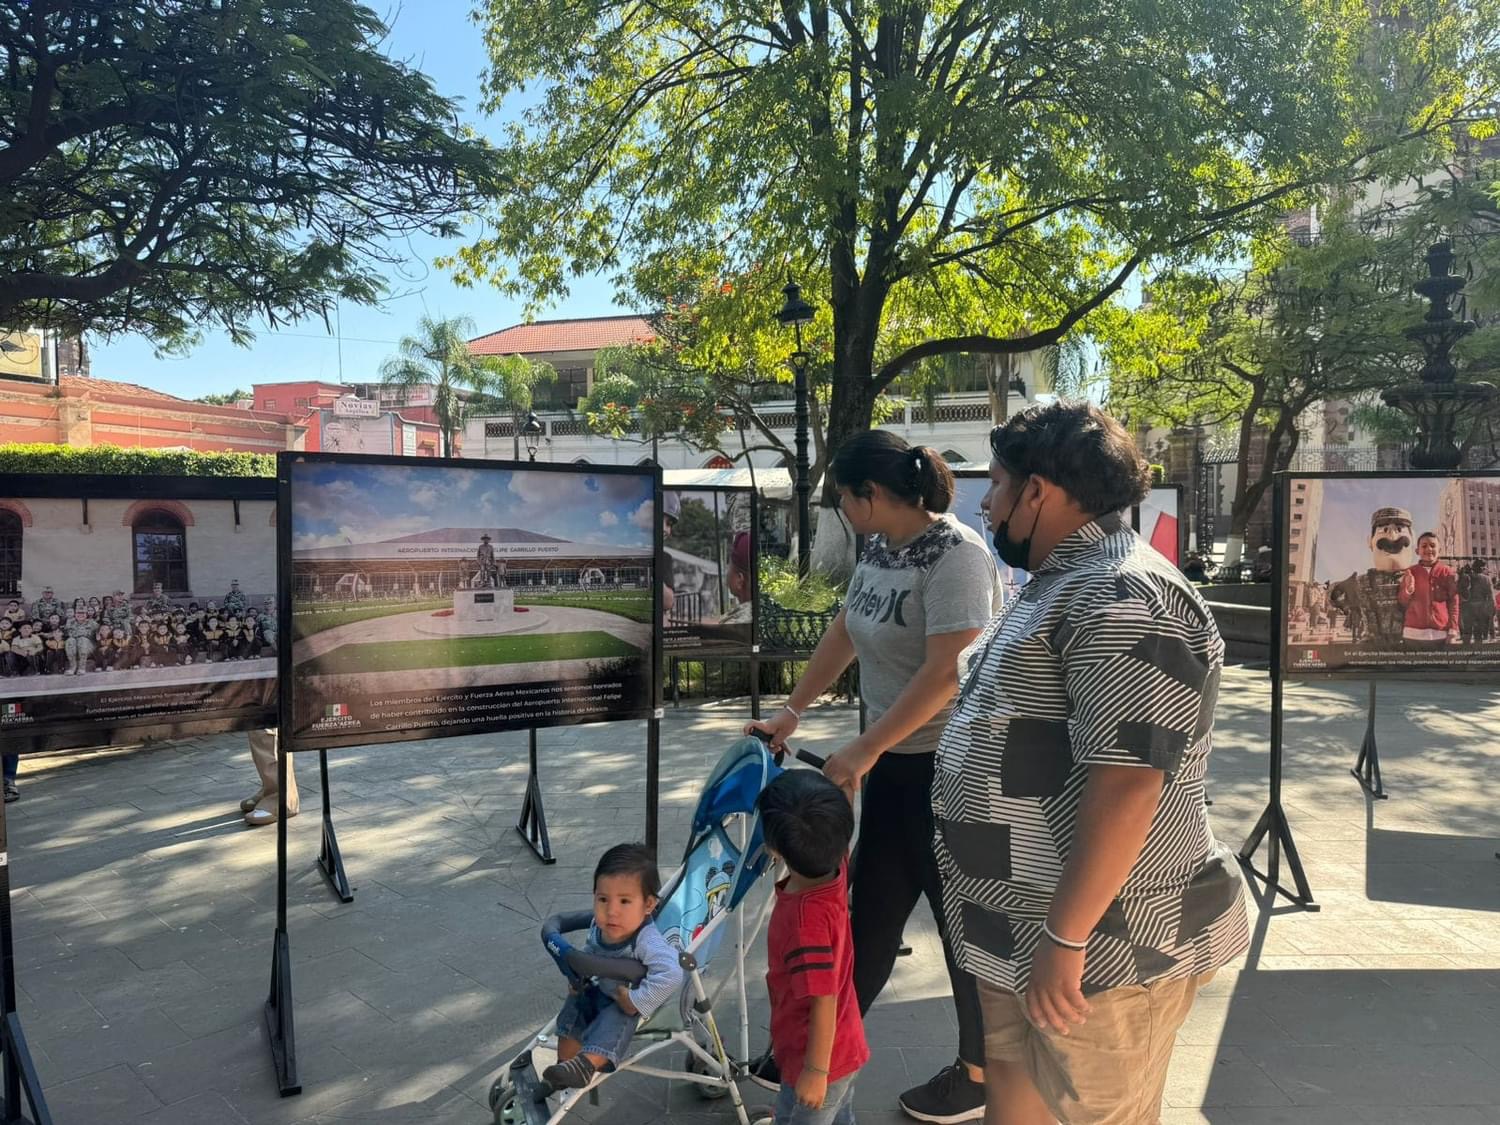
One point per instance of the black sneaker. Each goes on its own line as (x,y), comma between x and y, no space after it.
(764,1072)
(575,1074)
(12,793)
(949,1096)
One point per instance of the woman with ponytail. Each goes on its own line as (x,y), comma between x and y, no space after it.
(922,591)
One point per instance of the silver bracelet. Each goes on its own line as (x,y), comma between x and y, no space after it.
(1075,946)
(793,712)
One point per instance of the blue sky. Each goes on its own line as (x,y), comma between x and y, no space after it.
(438,37)
(1348,504)
(335,504)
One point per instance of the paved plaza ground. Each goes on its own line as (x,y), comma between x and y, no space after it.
(144,911)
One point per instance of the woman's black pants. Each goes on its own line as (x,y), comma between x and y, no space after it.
(893,866)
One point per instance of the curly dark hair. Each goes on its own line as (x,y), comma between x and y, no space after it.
(1077,447)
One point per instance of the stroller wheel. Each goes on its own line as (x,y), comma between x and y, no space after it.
(501,1092)
(695,1065)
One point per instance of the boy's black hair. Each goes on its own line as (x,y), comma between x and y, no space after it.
(631,859)
(807,821)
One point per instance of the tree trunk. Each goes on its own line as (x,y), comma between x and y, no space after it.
(855,319)
(1239,515)
(1281,443)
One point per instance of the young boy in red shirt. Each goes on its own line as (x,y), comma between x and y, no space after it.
(816,1033)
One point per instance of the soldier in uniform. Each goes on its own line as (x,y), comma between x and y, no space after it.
(117,611)
(268,629)
(46,605)
(486,578)
(79,644)
(234,601)
(157,603)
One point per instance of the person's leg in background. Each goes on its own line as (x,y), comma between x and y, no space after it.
(12,768)
(266,805)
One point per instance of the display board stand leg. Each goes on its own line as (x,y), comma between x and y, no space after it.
(330,859)
(533,823)
(653,778)
(20,1072)
(1272,827)
(279,1000)
(1366,769)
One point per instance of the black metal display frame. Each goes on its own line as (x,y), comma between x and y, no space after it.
(20,1076)
(83,487)
(1273,828)
(280,1023)
(1366,768)
(725,650)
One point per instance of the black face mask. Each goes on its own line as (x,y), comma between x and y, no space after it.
(1017,556)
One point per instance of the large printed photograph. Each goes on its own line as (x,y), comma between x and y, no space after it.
(119,612)
(709,571)
(1391,572)
(442,599)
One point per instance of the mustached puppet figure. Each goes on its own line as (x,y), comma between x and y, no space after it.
(1392,553)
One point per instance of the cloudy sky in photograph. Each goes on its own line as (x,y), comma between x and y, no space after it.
(335,505)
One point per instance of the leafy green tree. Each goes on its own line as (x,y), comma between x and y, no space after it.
(1010,167)
(169,165)
(1256,350)
(511,380)
(227,398)
(438,356)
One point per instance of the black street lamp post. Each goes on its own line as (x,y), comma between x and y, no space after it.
(1439,403)
(797,312)
(532,432)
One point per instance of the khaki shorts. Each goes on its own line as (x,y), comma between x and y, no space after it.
(1109,1070)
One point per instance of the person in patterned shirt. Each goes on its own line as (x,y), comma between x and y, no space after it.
(1081,882)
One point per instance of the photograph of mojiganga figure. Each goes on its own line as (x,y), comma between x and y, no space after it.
(135,612)
(443,599)
(1391,572)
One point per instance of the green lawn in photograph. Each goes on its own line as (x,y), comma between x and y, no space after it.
(463,652)
(305,624)
(632,604)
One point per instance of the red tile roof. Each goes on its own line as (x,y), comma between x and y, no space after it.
(584,335)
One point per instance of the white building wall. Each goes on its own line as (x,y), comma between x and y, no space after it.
(95,559)
(959,430)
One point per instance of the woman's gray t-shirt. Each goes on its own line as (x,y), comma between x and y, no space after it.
(942,581)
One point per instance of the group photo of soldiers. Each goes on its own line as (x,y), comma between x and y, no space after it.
(117,632)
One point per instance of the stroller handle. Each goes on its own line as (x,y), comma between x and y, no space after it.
(807,757)
(586,965)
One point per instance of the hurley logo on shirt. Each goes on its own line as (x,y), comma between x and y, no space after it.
(869,603)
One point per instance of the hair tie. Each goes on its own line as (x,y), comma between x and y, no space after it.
(916,459)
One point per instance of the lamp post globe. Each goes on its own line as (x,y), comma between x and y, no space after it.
(794,313)
(532,432)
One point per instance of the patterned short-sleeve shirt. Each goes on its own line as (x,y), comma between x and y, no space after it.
(1107,657)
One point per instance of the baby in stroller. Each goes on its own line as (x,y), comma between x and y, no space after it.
(600,1016)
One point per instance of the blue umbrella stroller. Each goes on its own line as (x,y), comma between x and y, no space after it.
(724,859)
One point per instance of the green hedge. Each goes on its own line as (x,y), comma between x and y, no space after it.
(112,460)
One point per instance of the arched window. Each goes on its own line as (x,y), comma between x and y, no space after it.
(10,554)
(160,552)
